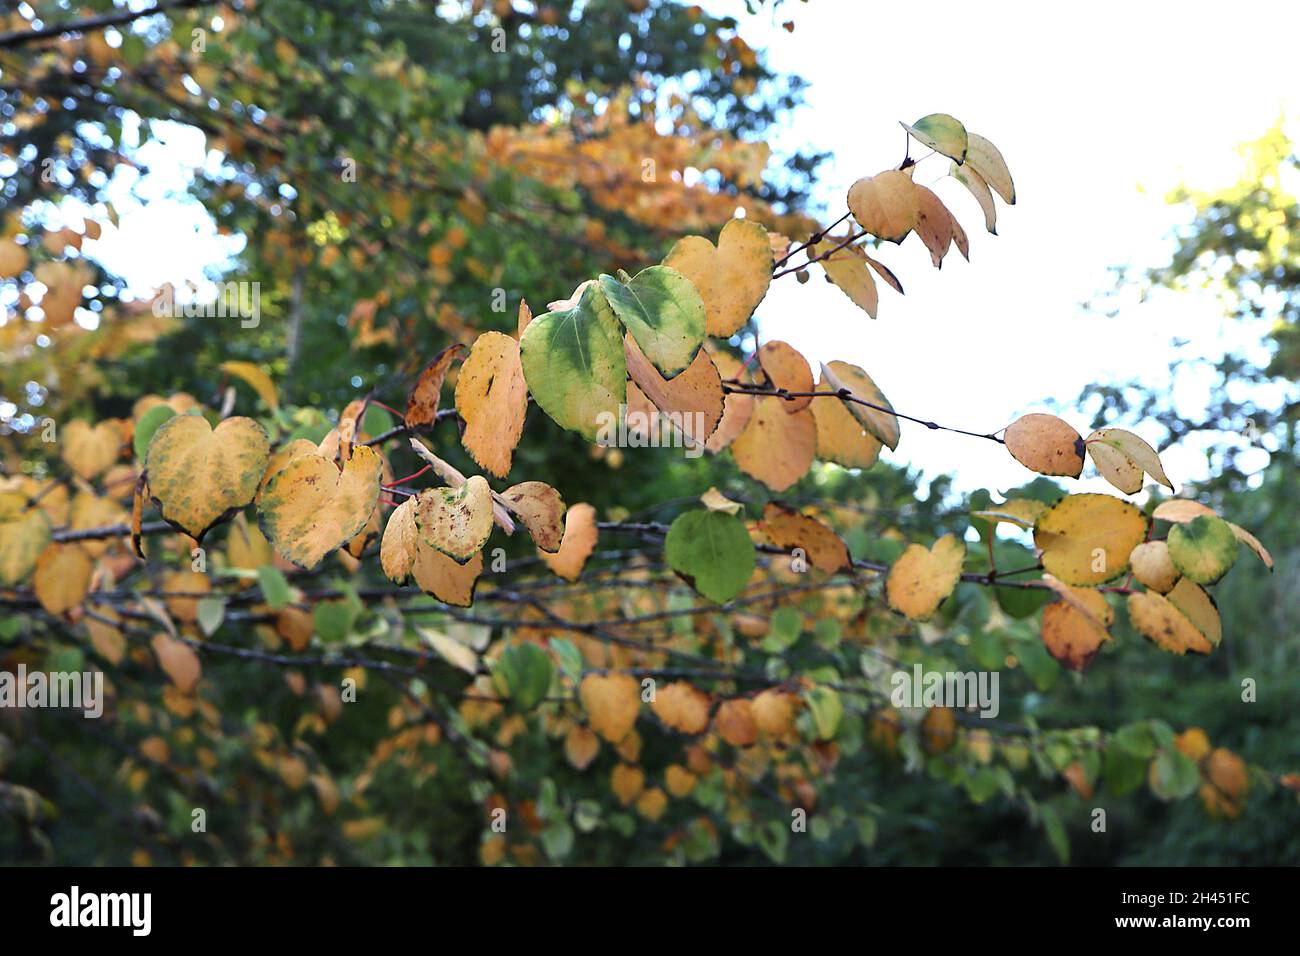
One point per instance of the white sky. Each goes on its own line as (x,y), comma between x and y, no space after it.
(1087,103)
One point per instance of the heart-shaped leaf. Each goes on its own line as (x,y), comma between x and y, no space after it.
(198,473)
(574,365)
(732,277)
(311,507)
(664,314)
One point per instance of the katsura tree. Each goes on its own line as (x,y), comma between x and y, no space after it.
(428,625)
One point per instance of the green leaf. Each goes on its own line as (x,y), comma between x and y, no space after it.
(333,620)
(1122,771)
(146,426)
(827,709)
(212,611)
(574,364)
(274,586)
(711,550)
(1203,549)
(943,134)
(570,657)
(1055,831)
(664,313)
(1174,775)
(523,674)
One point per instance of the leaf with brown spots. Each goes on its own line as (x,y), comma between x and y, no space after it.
(1161,623)
(541,509)
(1045,444)
(1075,627)
(456,521)
(492,398)
(197,473)
(789,529)
(310,508)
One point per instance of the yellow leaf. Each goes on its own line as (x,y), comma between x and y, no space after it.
(612,702)
(880,420)
(788,371)
(456,521)
(310,507)
(197,473)
(455,653)
(1087,539)
(397,548)
(580,536)
(1152,566)
(89,450)
(178,661)
(775,447)
(984,158)
(773,712)
(444,578)
(492,398)
(580,747)
(886,205)
(788,529)
(923,577)
(731,278)
(1156,619)
(847,268)
(1122,457)
(256,377)
(24,533)
(627,782)
(692,400)
(62,577)
(978,188)
(1195,604)
(735,722)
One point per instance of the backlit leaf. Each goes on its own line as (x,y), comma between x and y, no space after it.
(663,312)
(731,278)
(574,365)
